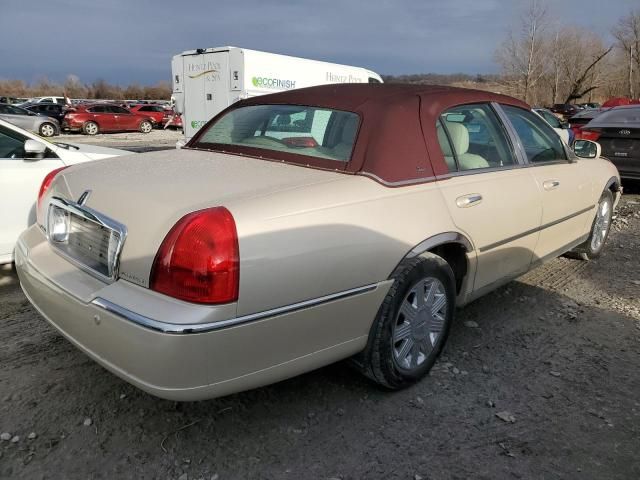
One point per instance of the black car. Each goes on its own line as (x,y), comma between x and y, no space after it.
(618,133)
(565,109)
(54,110)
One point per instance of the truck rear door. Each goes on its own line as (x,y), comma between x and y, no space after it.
(206,86)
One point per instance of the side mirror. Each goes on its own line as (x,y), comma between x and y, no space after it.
(34,150)
(587,149)
(564,125)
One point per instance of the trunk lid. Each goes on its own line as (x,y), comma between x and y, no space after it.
(148,193)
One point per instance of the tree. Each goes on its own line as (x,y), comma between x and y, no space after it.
(627,34)
(577,56)
(73,88)
(522,54)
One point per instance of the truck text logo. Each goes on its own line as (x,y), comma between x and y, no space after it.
(266,82)
(210,69)
(337,78)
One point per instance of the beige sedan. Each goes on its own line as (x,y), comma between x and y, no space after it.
(305,227)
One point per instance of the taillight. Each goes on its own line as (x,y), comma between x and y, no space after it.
(198,260)
(44,186)
(588,135)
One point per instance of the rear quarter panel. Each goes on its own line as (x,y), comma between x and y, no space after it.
(306,243)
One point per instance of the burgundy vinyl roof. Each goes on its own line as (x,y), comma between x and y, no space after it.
(397,141)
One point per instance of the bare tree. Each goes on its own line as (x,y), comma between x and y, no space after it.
(521,55)
(627,34)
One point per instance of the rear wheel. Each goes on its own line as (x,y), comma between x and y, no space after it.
(90,128)
(593,246)
(146,126)
(47,130)
(412,324)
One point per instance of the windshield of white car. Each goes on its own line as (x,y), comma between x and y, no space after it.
(303,130)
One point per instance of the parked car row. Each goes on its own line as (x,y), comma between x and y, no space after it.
(49,117)
(331,222)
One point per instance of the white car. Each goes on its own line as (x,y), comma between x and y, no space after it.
(25,160)
(561,128)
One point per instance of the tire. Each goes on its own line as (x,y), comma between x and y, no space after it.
(47,129)
(403,346)
(146,126)
(593,246)
(90,128)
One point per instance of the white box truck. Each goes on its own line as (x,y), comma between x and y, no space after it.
(206,81)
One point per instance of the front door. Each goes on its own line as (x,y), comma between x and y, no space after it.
(125,120)
(490,196)
(20,181)
(563,184)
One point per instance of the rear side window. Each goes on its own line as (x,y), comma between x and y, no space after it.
(302,130)
(471,137)
(540,141)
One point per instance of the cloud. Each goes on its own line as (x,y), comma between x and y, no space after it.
(125,41)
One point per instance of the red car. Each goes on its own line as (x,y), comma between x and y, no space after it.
(174,120)
(95,118)
(157,113)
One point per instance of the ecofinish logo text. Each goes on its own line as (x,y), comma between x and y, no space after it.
(266,82)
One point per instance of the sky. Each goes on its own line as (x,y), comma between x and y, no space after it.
(127,41)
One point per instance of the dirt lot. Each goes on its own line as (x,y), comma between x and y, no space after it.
(556,354)
(134,141)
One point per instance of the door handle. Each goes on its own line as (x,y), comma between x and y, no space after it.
(468,200)
(551,184)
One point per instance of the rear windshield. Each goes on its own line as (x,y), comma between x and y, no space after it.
(619,115)
(303,130)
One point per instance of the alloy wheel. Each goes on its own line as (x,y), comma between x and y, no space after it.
(47,130)
(419,323)
(601,224)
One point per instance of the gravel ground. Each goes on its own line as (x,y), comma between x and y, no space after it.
(134,141)
(539,380)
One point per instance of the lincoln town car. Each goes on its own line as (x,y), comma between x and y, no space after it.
(305,227)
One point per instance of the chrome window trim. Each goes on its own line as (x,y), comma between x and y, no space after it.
(177,328)
(476,171)
(401,183)
(95,217)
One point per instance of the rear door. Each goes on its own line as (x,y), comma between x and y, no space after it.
(490,196)
(20,181)
(564,185)
(206,88)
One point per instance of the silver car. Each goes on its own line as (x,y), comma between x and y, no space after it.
(44,126)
